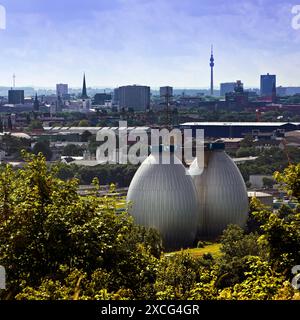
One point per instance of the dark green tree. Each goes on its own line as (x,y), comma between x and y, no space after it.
(43,147)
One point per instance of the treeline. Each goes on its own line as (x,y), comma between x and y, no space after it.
(121,175)
(269,161)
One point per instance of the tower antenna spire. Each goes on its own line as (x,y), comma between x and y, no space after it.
(212,64)
(14,81)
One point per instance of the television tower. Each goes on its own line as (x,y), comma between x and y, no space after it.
(212,64)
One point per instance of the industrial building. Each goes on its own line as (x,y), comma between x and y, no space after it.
(221,191)
(185,206)
(242,129)
(163,196)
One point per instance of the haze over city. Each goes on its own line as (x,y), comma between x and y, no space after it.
(153,43)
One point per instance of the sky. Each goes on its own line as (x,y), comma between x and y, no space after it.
(148,42)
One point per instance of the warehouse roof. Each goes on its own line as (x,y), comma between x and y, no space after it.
(242,124)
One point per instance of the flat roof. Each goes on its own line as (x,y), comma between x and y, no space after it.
(242,124)
(258,194)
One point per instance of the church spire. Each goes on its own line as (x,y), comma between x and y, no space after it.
(84,91)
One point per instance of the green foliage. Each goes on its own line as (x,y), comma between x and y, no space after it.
(73,150)
(43,147)
(290,179)
(236,247)
(35,125)
(57,245)
(260,283)
(86,136)
(281,230)
(13,145)
(107,174)
(269,161)
(235,243)
(177,276)
(268,183)
(83,123)
(45,225)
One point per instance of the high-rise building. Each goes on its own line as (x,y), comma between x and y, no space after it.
(267,83)
(135,97)
(227,87)
(15,96)
(62,90)
(212,64)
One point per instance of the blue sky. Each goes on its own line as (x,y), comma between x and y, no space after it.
(151,42)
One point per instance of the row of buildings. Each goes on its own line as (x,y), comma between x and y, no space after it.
(139,98)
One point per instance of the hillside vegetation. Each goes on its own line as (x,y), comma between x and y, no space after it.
(58,245)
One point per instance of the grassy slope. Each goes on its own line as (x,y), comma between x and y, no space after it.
(213,249)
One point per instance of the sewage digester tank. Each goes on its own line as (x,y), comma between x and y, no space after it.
(222,193)
(164,197)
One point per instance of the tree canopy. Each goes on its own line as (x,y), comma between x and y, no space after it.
(56,244)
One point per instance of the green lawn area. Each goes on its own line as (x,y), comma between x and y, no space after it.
(213,249)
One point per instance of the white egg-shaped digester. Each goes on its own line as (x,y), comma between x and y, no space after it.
(164,197)
(222,193)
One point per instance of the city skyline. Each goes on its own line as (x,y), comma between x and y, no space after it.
(152,43)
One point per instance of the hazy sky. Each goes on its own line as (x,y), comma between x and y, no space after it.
(151,42)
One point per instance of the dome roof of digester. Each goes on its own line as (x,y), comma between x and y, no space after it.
(163,196)
(222,194)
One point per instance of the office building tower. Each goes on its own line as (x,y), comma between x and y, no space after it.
(16,96)
(134,97)
(267,83)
